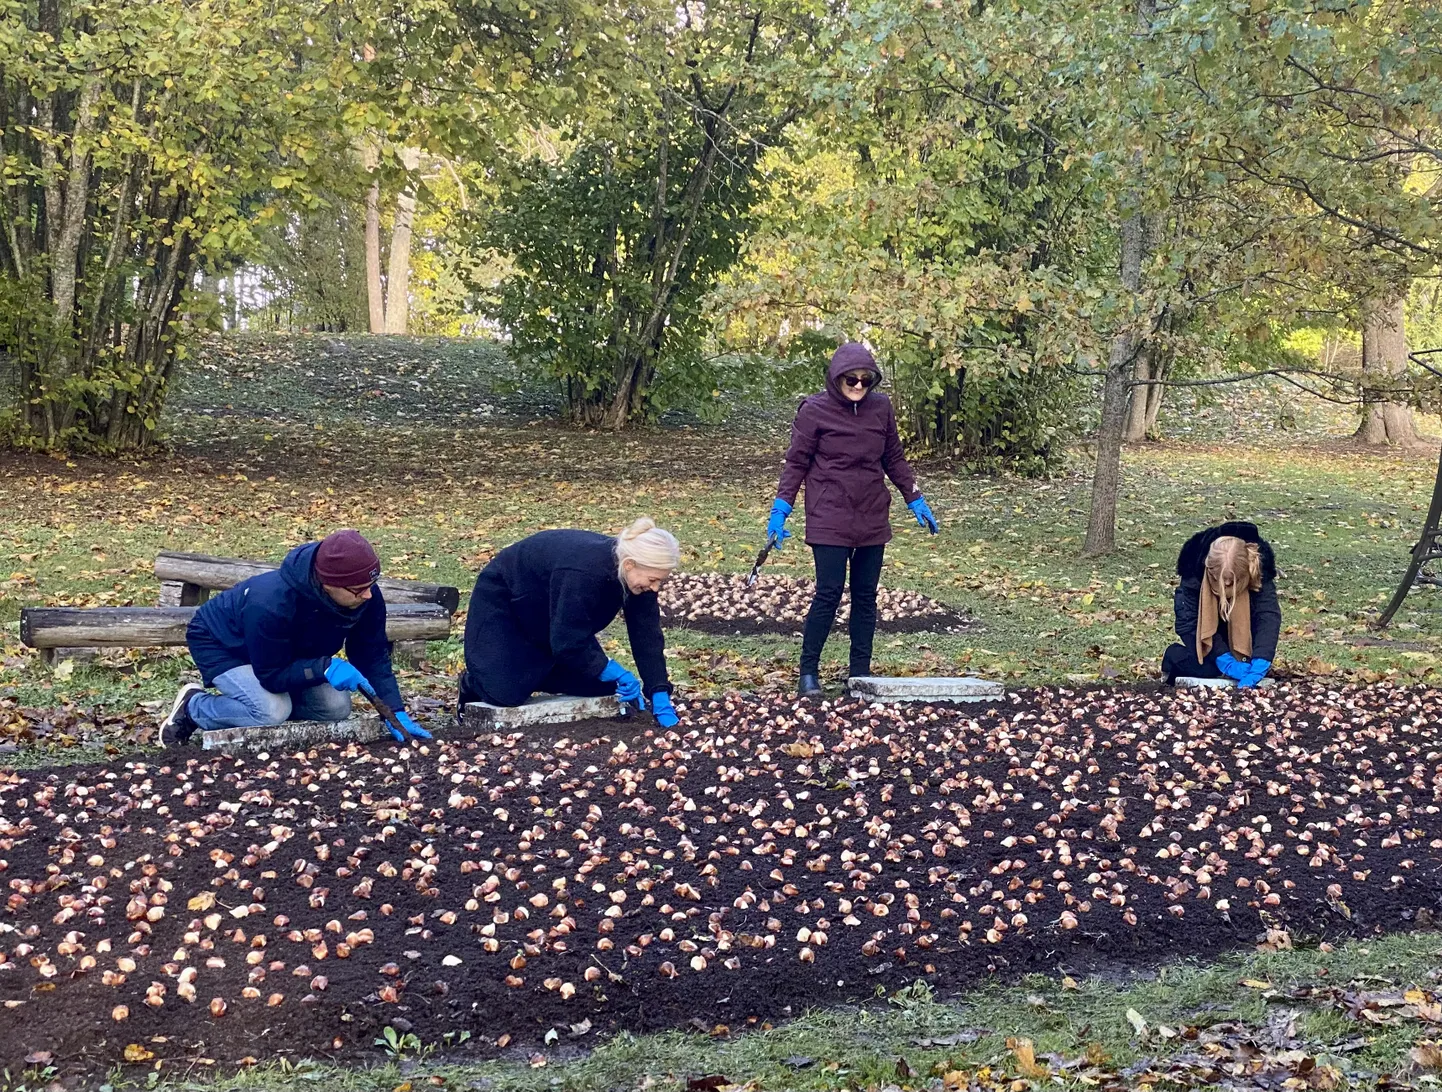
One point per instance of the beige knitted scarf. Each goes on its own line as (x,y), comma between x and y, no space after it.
(1233,570)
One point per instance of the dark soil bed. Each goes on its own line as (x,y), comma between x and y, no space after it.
(721,603)
(762,858)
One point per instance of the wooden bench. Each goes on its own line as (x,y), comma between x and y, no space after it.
(58,631)
(186,580)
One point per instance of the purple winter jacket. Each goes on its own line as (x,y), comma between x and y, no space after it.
(840,449)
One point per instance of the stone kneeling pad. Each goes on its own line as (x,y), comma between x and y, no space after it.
(966,688)
(1223,683)
(296,733)
(542,709)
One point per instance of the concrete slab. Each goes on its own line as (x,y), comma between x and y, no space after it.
(966,688)
(542,709)
(1191,683)
(480,719)
(296,733)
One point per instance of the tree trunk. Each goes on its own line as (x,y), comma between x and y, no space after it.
(1128,342)
(398,275)
(1160,369)
(375,297)
(1384,363)
(1106,480)
(1135,430)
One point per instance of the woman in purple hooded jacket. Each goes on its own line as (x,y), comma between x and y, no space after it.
(844,446)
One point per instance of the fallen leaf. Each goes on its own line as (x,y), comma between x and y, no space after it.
(204,901)
(707,1084)
(1138,1023)
(134,1052)
(1025,1052)
(1426,1056)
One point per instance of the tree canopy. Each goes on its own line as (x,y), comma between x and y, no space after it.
(1040,214)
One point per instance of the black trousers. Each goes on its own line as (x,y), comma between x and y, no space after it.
(1182,660)
(503,668)
(831,562)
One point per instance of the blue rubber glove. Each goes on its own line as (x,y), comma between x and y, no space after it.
(922,511)
(628,687)
(415,730)
(776,525)
(341,675)
(661,705)
(1231,667)
(1256,672)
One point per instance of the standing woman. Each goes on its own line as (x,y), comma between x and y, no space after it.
(537,607)
(1227,613)
(844,446)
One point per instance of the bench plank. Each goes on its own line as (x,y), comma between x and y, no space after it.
(210,573)
(145,627)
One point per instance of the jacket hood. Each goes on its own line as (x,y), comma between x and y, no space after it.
(1192,559)
(298,571)
(851,357)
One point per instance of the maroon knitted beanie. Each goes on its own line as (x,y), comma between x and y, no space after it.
(346,560)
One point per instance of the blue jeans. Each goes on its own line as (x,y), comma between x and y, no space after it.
(244,703)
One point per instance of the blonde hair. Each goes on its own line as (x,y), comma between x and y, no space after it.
(1231,565)
(646,546)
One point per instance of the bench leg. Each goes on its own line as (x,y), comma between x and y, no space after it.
(55,656)
(408,653)
(177,593)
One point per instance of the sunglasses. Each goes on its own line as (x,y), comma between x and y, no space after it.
(865,382)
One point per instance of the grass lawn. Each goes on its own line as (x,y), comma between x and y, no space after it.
(442,455)
(257,466)
(1354,1017)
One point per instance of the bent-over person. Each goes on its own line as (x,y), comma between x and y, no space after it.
(538,605)
(1227,613)
(269,646)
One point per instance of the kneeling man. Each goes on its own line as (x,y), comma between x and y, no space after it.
(269,645)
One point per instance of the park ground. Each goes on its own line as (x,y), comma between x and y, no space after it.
(442,456)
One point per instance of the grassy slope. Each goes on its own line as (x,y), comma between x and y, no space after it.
(258,466)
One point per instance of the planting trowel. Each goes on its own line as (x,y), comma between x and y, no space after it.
(771,544)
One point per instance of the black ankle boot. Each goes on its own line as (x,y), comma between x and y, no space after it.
(809,687)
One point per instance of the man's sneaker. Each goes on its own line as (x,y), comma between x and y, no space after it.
(177,728)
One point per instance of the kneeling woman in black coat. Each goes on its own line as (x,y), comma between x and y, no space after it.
(537,607)
(1227,612)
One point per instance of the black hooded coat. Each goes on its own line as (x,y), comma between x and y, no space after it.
(1266,610)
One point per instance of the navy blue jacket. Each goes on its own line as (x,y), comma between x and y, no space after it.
(562,588)
(1265,609)
(287,628)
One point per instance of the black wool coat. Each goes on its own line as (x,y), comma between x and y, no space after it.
(560,589)
(1266,610)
